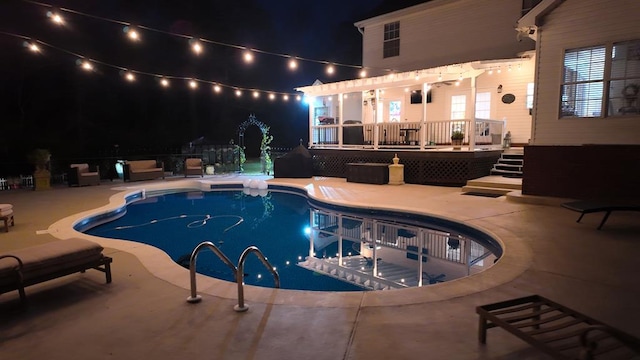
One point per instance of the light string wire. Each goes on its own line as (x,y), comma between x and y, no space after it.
(204,40)
(158,76)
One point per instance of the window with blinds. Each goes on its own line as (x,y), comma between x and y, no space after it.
(583,82)
(391,45)
(458,106)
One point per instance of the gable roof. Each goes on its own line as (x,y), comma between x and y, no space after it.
(409,11)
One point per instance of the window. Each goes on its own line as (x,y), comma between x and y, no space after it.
(458,105)
(395,108)
(391,45)
(530,88)
(483,105)
(624,87)
(585,81)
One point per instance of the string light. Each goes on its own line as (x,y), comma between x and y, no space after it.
(132,33)
(272,96)
(293,64)
(440,77)
(55,17)
(248,56)
(238,93)
(58,19)
(130,76)
(363,73)
(330,69)
(164,81)
(196,47)
(285,97)
(33,47)
(256,94)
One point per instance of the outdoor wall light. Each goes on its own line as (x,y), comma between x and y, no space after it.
(499,88)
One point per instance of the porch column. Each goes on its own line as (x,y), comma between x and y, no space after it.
(472,131)
(310,123)
(340,119)
(423,127)
(376,130)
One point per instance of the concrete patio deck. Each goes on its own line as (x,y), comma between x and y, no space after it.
(143,314)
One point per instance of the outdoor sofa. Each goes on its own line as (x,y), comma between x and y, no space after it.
(135,170)
(193,166)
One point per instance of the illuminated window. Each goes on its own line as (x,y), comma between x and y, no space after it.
(483,105)
(583,82)
(391,45)
(458,105)
(530,88)
(395,108)
(624,85)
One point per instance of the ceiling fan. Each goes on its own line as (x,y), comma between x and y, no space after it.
(440,83)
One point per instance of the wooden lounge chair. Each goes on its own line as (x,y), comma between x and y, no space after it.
(556,330)
(32,265)
(588,207)
(80,175)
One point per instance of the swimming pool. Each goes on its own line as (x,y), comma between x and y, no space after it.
(288,227)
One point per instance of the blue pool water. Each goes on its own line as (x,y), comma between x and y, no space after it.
(277,223)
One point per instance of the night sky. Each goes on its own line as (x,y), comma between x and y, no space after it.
(47,101)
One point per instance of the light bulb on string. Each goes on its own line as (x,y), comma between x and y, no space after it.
(490,71)
(85,64)
(217,88)
(298,98)
(440,77)
(293,64)
(32,46)
(129,76)
(256,94)
(272,96)
(196,46)
(247,56)
(499,70)
(285,97)
(330,69)
(363,73)
(193,84)
(509,68)
(238,93)
(132,32)
(55,17)
(164,82)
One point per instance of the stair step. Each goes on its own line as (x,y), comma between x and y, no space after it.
(507,167)
(519,162)
(486,190)
(496,171)
(503,184)
(512,156)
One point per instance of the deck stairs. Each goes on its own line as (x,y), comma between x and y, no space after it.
(506,176)
(357,270)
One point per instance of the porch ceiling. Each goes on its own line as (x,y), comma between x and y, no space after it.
(410,78)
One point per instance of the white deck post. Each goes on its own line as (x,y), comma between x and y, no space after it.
(423,125)
(472,130)
(340,119)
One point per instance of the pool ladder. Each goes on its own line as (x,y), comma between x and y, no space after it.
(238,271)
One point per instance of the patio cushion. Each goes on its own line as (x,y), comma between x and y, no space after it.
(50,257)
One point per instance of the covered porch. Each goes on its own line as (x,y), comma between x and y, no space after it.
(421,110)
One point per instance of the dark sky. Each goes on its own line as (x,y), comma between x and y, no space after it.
(46,101)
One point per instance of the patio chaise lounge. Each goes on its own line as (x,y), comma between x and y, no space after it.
(556,330)
(588,207)
(32,265)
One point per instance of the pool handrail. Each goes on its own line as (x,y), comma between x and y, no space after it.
(194,298)
(238,272)
(240,275)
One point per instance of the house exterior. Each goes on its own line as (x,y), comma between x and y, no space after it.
(432,70)
(585,139)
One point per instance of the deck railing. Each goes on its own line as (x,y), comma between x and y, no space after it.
(479,133)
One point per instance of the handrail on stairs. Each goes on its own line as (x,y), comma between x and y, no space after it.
(238,271)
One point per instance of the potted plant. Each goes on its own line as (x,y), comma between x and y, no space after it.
(40,158)
(457,137)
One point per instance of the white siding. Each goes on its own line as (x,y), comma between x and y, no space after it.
(574,24)
(457,31)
